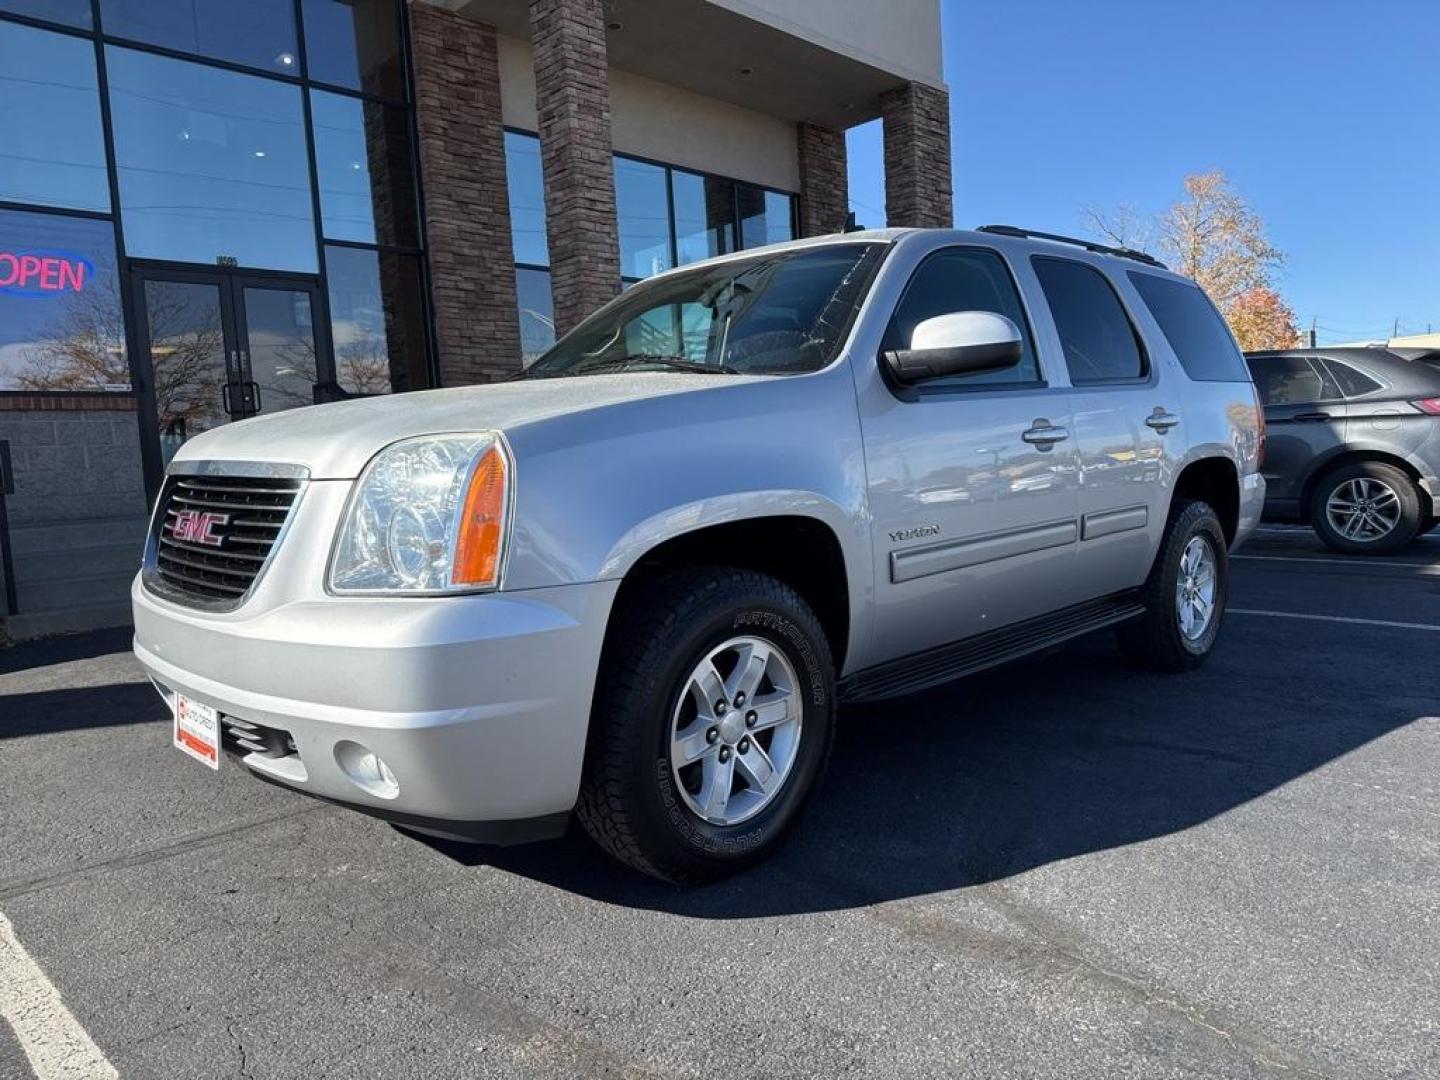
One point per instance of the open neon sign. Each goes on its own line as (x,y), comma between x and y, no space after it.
(43,273)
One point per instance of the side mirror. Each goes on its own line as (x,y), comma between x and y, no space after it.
(962,343)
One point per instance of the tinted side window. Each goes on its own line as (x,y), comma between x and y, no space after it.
(1352,383)
(1100,344)
(968,279)
(1291,380)
(1193,327)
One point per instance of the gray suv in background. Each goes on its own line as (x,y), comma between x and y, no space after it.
(1354,444)
(635,583)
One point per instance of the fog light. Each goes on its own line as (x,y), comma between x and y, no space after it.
(366,769)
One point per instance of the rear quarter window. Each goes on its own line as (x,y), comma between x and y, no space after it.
(1352,383)
(1196,332)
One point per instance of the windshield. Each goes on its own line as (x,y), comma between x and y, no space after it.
(777,314)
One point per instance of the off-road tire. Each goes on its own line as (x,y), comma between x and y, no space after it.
(1153,641)
(1406,529)
(628,802)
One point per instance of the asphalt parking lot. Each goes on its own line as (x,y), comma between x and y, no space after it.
(1059,868)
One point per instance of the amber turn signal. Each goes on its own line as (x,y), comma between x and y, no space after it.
(482,522)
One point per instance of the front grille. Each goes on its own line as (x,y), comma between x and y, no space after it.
(214,534)
(243,737)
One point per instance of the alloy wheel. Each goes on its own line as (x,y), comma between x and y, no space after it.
(1363,509)
(735,730)
(1195,588)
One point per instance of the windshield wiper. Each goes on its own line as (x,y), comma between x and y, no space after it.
(670,363)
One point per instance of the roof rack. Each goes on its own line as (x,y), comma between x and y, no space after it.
(1088,245)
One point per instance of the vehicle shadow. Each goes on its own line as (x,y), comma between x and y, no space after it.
(1042,760)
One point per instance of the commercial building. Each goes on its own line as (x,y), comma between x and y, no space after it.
(212,210)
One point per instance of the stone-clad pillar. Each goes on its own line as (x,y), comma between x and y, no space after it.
(917,157)
(467,204)
(572,97)
(824,182)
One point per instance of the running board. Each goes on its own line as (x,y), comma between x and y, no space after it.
(921,671)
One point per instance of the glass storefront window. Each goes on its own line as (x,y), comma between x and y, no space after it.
(60,321)
(527,198)
(764,217)
(52,147)
(704,216)
(355,44)
(362,153)
(644,218)
(377,321)
(537,313)
(213,164)
(257,33)
(67,12)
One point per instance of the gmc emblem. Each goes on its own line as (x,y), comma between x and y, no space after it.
(199,527)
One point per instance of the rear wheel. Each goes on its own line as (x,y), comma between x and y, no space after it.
(1368,508)
(1184,596)
(713,720)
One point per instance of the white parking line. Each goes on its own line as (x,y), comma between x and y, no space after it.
(1333,618)
(51,1037)
(1339,562)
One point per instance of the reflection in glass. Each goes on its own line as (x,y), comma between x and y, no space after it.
(644,218)
(258,33)
(362,154)
(355,44)
(764,216)
(704,216)
(377,321)
(68,12)
(527,198)
(60,321)
(537,313)
(280,342)
(187,359)
(212,164)
(52,149)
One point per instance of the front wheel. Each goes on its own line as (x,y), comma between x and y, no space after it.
(1184,596)
(713,720)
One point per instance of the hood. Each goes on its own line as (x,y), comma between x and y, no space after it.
(336,441)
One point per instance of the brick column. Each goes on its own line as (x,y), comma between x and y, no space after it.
(572,96)
(917,157)
(824,182)
(467,206)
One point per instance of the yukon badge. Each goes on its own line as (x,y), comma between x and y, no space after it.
(918,532)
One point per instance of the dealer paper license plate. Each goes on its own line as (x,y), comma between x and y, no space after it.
(197,730)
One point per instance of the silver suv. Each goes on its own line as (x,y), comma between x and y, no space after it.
(634,583)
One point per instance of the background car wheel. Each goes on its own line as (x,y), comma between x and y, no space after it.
(1368,508)
(713,720)
(1184,595)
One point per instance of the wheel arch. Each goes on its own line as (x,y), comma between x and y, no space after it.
(801,549)
(1216,480)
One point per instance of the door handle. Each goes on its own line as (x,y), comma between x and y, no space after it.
(252,395)
(234,403)
(1044,434)
(1310,417)
(1161,420)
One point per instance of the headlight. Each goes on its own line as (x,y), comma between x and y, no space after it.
(427,516)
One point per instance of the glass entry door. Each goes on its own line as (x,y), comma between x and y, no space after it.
(224,346)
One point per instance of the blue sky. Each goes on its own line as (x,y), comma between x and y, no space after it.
(1324,113)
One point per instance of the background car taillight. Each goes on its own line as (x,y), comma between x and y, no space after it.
(1429,405)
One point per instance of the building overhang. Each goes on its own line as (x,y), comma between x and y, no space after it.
(750,58)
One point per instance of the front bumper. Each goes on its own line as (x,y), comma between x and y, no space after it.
(479,705)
